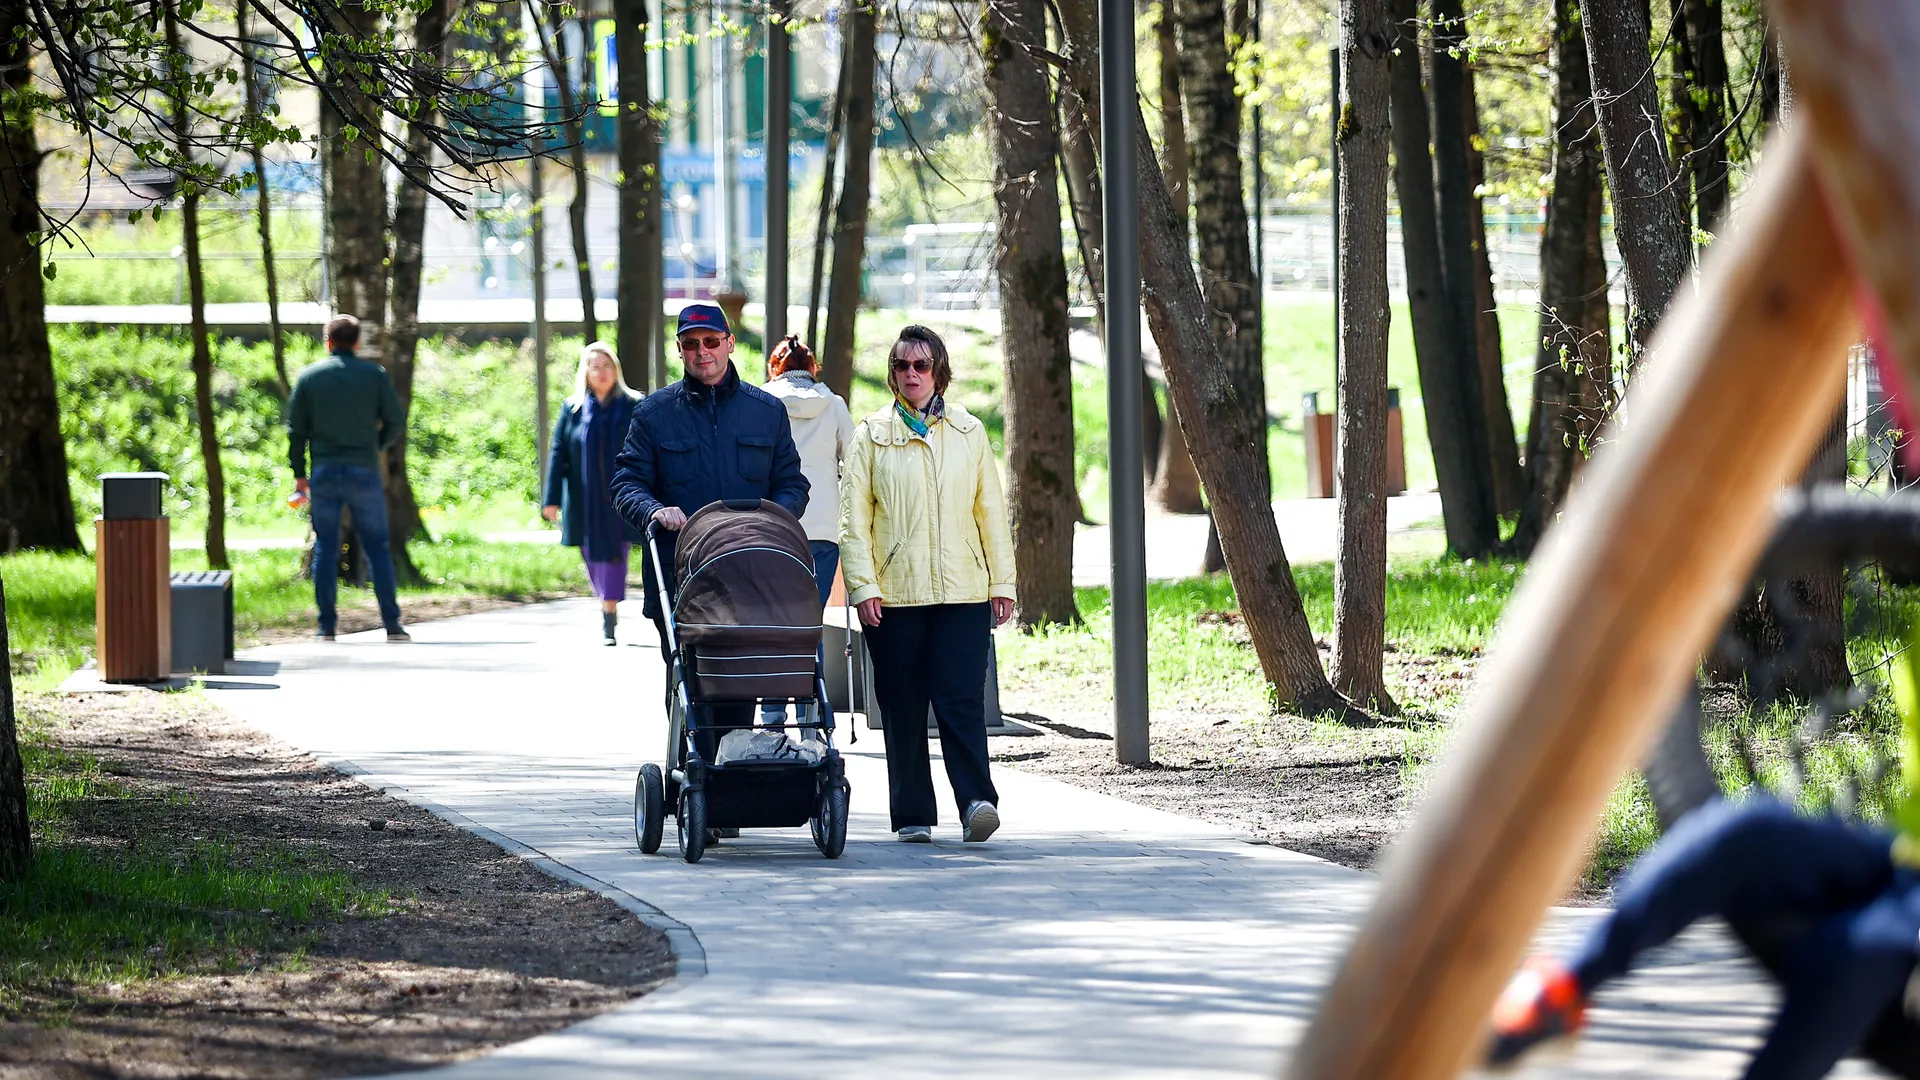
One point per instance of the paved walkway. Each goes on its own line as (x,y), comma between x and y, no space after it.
(1090,938)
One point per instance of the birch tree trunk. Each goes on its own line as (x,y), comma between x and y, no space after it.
(1360,478)
(1176,485)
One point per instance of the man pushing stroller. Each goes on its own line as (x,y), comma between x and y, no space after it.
(706,438)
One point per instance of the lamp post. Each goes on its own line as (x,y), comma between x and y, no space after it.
(1127,486)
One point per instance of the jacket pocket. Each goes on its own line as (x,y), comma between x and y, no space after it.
(755,456)
(679,461)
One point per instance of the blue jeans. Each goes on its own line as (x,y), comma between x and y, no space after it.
(826,560)
(1855,914)
(354,488)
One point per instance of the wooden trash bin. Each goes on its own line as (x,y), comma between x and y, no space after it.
(133,601)
(1319,430)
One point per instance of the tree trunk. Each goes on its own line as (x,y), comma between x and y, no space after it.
(554,44)
(1176,483)
(1440,348)
(1176,486)
(1555,437)
(356,196)
(1599,394)
(1262,578)
(640,316)
(835,132)
(179,86)
(409,251)
(1220,221)
(16,832)
(1032,271)
(36,505)
(249,75)
(1706,108)
(1509,485)
(1649,221)
(1080,161)
(850,214)
(1453,179)
(1177,161)
(1360,479)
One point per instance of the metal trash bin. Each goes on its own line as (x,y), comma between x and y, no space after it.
(202,620)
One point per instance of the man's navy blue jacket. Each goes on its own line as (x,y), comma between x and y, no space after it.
(690,444)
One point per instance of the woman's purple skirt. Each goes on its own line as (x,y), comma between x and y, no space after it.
(609,579)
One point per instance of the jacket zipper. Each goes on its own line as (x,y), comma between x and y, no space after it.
(889,562)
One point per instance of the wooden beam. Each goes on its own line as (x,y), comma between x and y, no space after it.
(1605,630)
(1857,88)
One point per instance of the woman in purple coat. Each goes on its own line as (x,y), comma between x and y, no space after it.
(591,428)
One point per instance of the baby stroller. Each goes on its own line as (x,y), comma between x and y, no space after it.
(743,627)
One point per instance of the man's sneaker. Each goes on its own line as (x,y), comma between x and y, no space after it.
(979,822)
(323,635)
(397,636)
(916,834)
(1542,1005)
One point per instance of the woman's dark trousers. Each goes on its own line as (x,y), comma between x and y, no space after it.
(934,655)
(1853,917)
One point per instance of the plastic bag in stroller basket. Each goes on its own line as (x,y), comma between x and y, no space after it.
(768,746)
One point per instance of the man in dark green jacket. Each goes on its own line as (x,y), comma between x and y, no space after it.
(344,410)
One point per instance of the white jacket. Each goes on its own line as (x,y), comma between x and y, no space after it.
(822,430)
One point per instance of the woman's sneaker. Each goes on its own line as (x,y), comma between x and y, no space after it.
(1543,1005)
(979,822)
(916,834)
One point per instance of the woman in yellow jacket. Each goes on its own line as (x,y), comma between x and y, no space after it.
(928,560)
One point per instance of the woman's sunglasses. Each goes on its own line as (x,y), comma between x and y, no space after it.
(921,365)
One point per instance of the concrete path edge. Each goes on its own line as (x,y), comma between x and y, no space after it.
(689,956)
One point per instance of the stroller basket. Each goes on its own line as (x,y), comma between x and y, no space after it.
(747,611)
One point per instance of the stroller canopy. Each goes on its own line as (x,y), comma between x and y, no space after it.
(745,575)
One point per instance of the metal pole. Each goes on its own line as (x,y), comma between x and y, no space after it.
(1333,156)
(1126,485)
(779,114)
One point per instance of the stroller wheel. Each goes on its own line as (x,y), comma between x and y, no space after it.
(649,809)
(830,824)
(693,825)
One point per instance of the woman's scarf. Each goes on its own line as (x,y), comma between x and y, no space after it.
(921,422)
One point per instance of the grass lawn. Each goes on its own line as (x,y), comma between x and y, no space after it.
(1441,617)
(50,598)
(91,913)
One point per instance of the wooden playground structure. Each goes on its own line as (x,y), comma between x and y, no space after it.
(1741,381)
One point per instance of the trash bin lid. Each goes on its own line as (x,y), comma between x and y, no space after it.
(201,579)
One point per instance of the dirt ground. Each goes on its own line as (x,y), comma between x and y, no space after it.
(460,964)
(1336,792)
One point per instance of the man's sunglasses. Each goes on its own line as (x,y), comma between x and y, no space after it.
(921,365)
(711,344)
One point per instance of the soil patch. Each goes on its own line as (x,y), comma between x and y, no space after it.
(476,949)
(1337,792)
